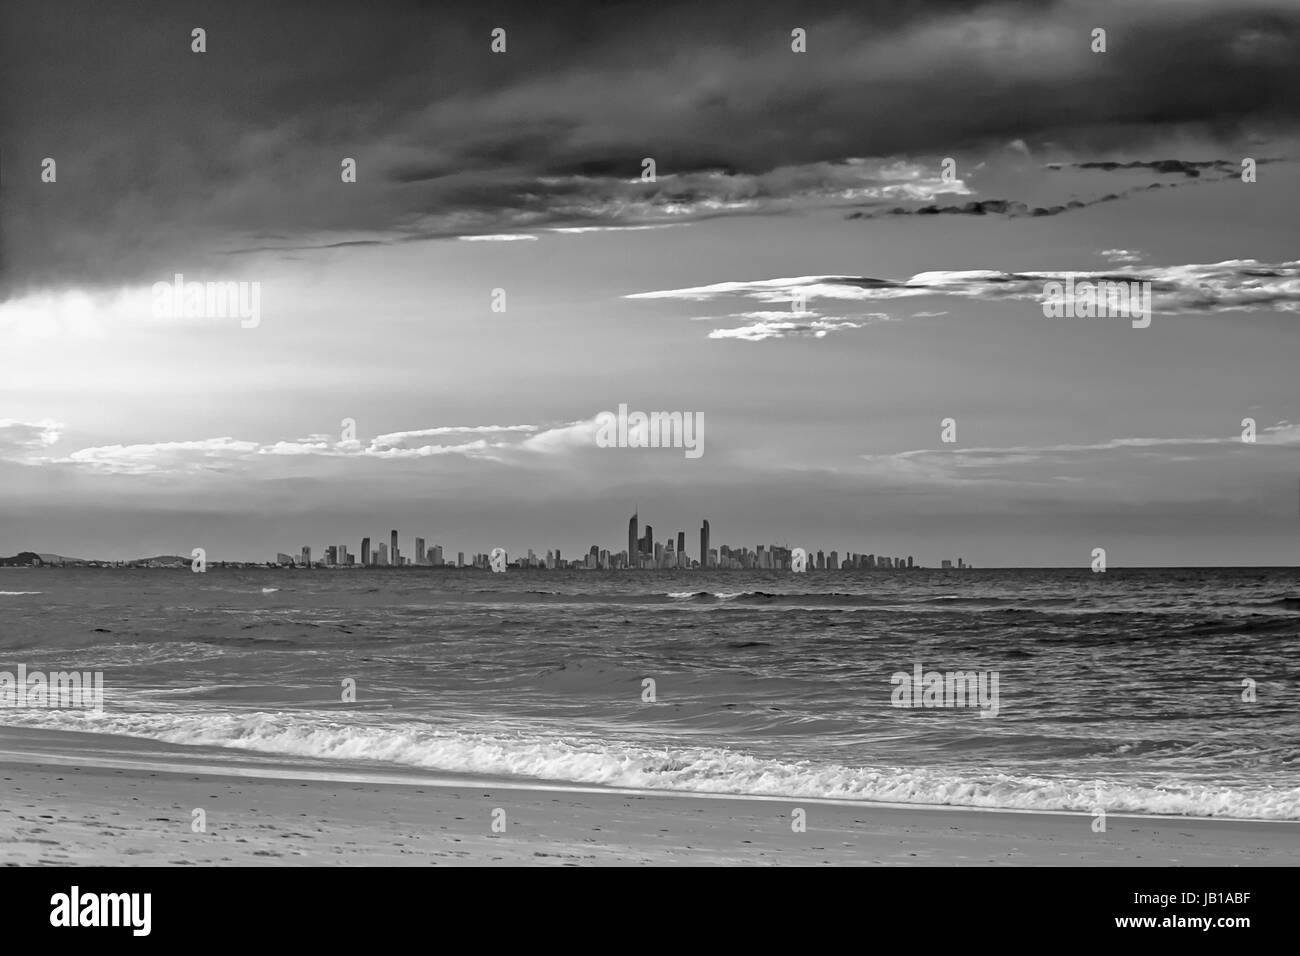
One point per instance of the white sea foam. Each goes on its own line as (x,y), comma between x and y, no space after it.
(700,770)
(12,593)
(720,595)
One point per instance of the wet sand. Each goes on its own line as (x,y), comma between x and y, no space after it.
(66,801)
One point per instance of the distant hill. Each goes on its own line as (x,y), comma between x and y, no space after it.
(30,559)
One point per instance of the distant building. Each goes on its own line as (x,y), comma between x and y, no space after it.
(395,555)
(365,550)
(306,557)
(633,542)
(420,555)
(946,565)
(705,559)
(282,558)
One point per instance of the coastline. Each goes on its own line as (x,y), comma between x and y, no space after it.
(124,802)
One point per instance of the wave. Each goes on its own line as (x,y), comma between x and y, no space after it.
(698,770)
(844,599)
(799,598)
(16,593)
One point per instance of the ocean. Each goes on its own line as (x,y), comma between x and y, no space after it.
(1170,691)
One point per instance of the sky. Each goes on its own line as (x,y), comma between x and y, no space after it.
(840,250)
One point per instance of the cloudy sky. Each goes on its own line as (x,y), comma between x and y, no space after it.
(780,176)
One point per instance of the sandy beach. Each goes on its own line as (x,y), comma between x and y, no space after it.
(134,804)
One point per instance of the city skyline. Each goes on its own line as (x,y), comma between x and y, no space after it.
(653,554)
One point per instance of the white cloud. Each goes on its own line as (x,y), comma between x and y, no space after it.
(19,438)
(191,457)
(1120,255)
(158,457)
(1017,463)
(499,237)
(781,325)
(562,438)
(1234,285)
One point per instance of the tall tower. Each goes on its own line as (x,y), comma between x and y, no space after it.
(681,544)
(704,544)
(633,545)
(365,550)
(392,554)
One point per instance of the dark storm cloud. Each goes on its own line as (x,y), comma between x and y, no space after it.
(1225,169)
(986,207)
(168,158)
(1190,168)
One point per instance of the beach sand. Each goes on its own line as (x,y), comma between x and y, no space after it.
(72,799)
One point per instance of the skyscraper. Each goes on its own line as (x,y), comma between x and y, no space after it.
(704,543)
(393,552)
(633,546)
(419,551)
(681,544)
(365,550)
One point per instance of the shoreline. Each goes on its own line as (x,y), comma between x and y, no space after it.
(126,801)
